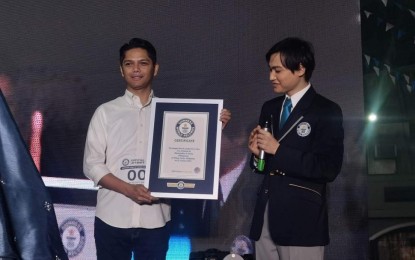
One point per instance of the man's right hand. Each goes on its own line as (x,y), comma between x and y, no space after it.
(139,194)
(253,141)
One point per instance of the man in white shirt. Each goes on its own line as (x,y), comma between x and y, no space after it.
(128,218)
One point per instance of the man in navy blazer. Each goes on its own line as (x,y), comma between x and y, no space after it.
(301,156)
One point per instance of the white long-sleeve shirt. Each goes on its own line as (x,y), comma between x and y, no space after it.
(117,143)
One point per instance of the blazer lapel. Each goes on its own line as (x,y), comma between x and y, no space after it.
(276,112)
(297,112)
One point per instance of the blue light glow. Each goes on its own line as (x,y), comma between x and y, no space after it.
(179,248)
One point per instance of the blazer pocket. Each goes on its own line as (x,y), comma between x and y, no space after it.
(305,188)
(304,193)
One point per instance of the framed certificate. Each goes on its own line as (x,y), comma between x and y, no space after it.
(184,148)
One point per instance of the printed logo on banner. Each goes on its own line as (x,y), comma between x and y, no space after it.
(73,236)
(125,162)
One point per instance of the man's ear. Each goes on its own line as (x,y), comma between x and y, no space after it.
(156,69)
(122,73)
(301,70)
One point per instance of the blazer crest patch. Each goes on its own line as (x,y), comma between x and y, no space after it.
(303,129)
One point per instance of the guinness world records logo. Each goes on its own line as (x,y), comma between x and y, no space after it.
(303,129)
(185,127)
(73,236)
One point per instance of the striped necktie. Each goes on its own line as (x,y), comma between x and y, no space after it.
(286,110)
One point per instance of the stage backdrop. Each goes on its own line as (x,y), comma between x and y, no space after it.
(59,61)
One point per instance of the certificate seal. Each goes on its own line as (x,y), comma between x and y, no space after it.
(185,128)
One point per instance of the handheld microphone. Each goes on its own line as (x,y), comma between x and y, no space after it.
(261,159)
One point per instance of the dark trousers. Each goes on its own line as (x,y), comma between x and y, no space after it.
(118,243)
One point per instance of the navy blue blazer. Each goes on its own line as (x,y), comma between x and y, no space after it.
(309,156)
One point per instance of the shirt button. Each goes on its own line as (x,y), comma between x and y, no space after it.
(266,191)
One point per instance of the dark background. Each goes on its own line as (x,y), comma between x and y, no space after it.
(388,57)
(62,59)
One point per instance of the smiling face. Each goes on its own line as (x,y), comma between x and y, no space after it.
(138,71)
(284,80)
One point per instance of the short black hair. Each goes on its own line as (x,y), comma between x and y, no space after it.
(295,52)
(139,43)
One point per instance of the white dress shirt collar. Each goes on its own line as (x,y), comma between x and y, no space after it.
(135,100)
(297,96)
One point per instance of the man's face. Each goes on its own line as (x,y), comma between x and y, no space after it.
(284,80)
(138,70)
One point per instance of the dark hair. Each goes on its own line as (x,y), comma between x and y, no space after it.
(139,43)
(293,52)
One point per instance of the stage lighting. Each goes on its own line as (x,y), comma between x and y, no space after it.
(372,117)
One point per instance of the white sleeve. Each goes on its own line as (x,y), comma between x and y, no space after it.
(95,148)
